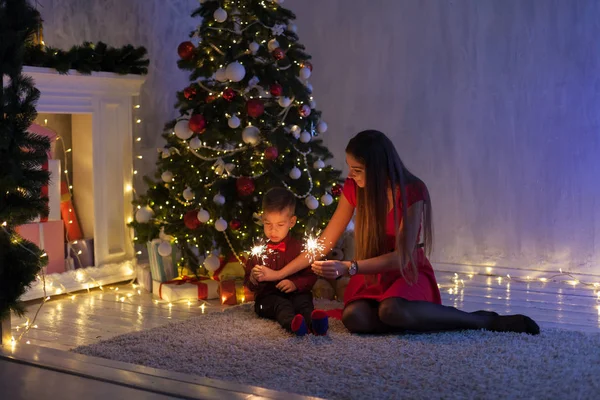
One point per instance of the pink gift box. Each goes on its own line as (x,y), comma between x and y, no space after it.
(50,237)
(49,133)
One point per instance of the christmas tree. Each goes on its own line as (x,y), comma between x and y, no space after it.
(247,123)
(21,157)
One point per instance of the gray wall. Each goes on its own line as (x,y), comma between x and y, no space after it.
(494,103)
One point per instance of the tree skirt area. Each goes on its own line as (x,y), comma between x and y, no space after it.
(236,345)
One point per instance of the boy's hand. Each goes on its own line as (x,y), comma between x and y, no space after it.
(254,274)
(286,286)
(253,280)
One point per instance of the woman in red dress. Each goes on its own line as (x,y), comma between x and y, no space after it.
(392,286)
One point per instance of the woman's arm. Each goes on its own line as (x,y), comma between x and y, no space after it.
(390,261)
(332,233)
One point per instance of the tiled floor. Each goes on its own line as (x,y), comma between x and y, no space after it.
(85,318)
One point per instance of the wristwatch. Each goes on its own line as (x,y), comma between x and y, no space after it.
(353,270)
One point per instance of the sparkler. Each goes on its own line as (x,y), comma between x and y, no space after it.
(314,248)
(260,252)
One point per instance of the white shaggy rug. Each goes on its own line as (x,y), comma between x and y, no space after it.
(235,345)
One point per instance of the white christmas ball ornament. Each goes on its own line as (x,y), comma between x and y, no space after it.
(221,225)
(284,101)
(309,88)
(295,173)
(167,176)
(203,215)
(220,15)
(304,73)
(313,104)
(219,199)
(273,44)
(250,135)
(212,263)
(253,47)
(221,75)
(322,127)
(295,130)
(188,194)
(182,130)
(326,199)
(311,202)
(292,27)
(233,122)
(305,137)
(144,215)
(195,143)
(235,72)
(318,164)
(165,249)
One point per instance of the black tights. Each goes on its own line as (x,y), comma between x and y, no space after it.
(398,315)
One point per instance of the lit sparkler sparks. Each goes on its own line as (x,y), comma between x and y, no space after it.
(260,252)
(314,248)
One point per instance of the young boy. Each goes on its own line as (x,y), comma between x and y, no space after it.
(290,301)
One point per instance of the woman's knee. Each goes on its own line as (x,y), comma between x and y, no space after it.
(395,312)
(357,317)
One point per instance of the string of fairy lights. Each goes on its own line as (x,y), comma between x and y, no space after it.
(224,171)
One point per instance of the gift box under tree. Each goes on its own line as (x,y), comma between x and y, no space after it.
(186,288)
(80,253)
(144,277)
(48,236)
(162,268)
(234,292)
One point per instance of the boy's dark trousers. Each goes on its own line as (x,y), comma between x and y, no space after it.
(283,307)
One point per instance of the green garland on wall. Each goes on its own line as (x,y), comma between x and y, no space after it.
(88,58)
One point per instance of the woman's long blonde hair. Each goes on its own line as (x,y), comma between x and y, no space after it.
(384,169)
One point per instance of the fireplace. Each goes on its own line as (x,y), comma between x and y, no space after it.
(94,114)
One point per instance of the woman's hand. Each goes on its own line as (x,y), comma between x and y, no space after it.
(331,269)
(266,274)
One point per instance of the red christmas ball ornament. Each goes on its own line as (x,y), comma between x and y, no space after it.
(278,54)
(235,224)
(271,153)
(307,65)
(190,219)
(186,50)
(210,98)
(255,108)
(336,189)
(304,110)
(244,186)
(189,92)
(228,94)
(197,123)
(276,89)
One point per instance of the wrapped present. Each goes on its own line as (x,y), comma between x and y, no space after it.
(230,269)
(80,253)
(144,277)
(67,212)
(186,288)
(49,236)
(162,268)
(49,133)
(234,292)
(323,289)
(52,191)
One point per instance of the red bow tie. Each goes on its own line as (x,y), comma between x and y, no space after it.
(276,246)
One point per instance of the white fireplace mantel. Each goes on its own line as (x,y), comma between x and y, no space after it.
(103,102)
